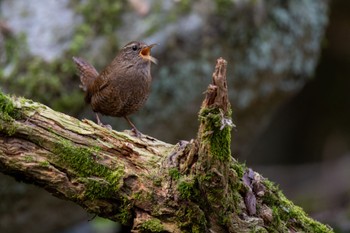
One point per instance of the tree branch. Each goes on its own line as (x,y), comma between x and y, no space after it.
(148,184)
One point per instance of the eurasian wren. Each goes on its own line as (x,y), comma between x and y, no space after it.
(123,86)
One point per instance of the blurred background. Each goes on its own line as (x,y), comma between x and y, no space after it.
(288,78)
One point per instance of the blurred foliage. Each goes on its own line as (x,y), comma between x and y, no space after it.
(55,83)
(34,78)
(224,6)
(103,17)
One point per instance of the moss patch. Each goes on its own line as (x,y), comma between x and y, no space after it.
(8,111)
(218,135)
(100,181)
(238,168)
(174,173)
(152,225)
(124,216)
(187,188)
(287,216)
(191,219)
(44,163)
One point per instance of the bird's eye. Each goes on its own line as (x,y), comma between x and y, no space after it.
(134,47)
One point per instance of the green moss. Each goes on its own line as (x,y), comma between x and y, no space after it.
(236,185)
(8,112)
(143,196)
(152,225)
(220,143)
(124,216)
(258,229)
(157,181)
(239,168)
(174,173)
(153,160)
(8,128)
(191,219)
(44,163)
(79,158)
(187,188)
(286,215)
(137,195)
(235,196)
(216,196)
(100,181)
(206,177)
(219,138)
(28,158)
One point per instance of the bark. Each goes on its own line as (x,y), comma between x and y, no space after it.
(153,186)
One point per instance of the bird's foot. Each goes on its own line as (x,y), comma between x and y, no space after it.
(133,128)
(136,132)
(101,124)
(106,126)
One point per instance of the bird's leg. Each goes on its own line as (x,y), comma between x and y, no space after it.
(137,133)
(101,124)
(98,120)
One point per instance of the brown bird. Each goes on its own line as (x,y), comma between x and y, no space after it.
(123,86)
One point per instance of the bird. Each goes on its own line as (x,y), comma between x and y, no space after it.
(123,86)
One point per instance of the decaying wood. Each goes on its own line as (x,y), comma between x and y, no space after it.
(153,186)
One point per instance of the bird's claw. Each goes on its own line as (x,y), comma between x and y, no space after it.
(136,132)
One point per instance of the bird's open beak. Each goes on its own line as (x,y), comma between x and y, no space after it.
(145,53)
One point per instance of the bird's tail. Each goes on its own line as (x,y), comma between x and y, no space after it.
(86,72)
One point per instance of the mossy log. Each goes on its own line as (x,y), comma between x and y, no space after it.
(150,185)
